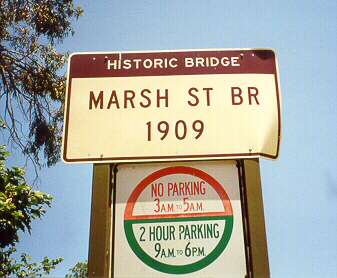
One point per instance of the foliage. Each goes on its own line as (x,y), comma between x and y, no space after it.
(80,270)
(32,88)
(24,267)
(19,205)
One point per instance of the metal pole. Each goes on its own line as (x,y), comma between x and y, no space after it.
(100,223)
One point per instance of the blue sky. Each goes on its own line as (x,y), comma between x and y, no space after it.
(300,188)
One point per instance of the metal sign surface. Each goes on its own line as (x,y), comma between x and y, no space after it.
(178,219)
(172,105)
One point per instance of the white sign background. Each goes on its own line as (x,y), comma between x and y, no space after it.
(231,262)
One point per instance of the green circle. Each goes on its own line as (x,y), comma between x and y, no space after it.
(179,269)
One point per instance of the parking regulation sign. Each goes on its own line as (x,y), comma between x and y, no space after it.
(178,219)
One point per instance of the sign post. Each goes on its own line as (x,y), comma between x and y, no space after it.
(257,250)
(99,257)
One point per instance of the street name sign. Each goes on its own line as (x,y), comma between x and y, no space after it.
(178,218)
(172,105)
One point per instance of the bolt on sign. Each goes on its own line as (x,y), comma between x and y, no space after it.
(178,218)
(172,105)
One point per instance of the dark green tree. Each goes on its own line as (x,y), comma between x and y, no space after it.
(32,82)
(19,205)
(32,89)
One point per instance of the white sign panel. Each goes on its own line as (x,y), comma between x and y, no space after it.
(172,106)
(181,219)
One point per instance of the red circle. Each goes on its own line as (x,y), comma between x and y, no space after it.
(128,214)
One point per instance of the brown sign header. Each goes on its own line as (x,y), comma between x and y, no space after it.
(172,63)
